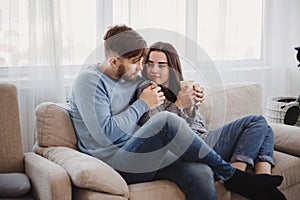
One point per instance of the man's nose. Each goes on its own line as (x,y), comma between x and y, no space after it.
(139,66)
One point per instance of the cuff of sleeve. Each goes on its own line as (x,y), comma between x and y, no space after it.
(191,118)
(140,106)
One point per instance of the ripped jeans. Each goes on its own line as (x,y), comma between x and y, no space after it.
(249,139)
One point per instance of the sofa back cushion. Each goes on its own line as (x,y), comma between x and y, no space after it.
(230,102)
(11,150)
(54,126)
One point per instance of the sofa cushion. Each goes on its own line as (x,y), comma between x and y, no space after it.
(225,104)
(86,171)
(156,190)
(80,194)
(54,126)
(11,155)
(163,189)
(14,185)
(287,166)
(287,138)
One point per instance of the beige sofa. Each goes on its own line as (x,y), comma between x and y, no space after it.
(93,179)
(47,180)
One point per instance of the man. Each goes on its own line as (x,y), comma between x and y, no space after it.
(105,121)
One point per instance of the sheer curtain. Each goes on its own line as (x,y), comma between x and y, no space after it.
(281,36)
(225,29)
(229,31)
(45,51)
(45,55)
(34,62)
(43,44)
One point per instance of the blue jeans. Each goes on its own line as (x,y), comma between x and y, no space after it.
(165,138)
(193,178)
(249,139)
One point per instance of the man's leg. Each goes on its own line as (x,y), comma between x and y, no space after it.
(194,179)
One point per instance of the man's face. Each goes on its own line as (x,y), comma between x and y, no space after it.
(129,68)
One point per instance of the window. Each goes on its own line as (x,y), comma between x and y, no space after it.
(167,14)
(80,36)
(13,33)
(225,29)
(20,28)
(230,30)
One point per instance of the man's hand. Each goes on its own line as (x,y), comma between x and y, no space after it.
(153,96)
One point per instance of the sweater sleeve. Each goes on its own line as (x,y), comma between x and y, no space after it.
(197,123)
(95,107)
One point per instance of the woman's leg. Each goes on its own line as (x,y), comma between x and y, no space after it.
(262,168)
(263,164)
(240,165)
(247,140)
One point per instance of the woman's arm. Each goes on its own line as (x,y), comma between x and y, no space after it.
(188,100)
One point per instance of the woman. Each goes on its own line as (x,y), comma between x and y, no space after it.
(248,141)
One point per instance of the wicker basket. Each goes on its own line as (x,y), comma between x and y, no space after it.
(274,112)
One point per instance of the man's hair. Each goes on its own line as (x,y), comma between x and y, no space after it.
(124,41)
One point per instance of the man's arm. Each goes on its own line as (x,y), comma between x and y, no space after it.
(94,105)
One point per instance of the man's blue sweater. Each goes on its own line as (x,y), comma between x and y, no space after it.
(101,114)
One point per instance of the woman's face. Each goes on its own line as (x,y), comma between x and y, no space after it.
(157,68)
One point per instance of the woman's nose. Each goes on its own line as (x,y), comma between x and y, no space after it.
(155,68)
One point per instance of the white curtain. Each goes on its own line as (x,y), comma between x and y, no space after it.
(281,36)
(34,63)
(226,29)
(43,44)
(46,51)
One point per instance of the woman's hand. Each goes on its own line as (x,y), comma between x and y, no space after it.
(185,98)
(198,95)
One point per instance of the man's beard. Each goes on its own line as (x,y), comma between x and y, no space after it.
(127,77)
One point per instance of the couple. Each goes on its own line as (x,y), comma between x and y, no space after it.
(110,99)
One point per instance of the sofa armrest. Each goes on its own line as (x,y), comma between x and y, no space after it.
(49,181)
(86,171)
(287,138)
